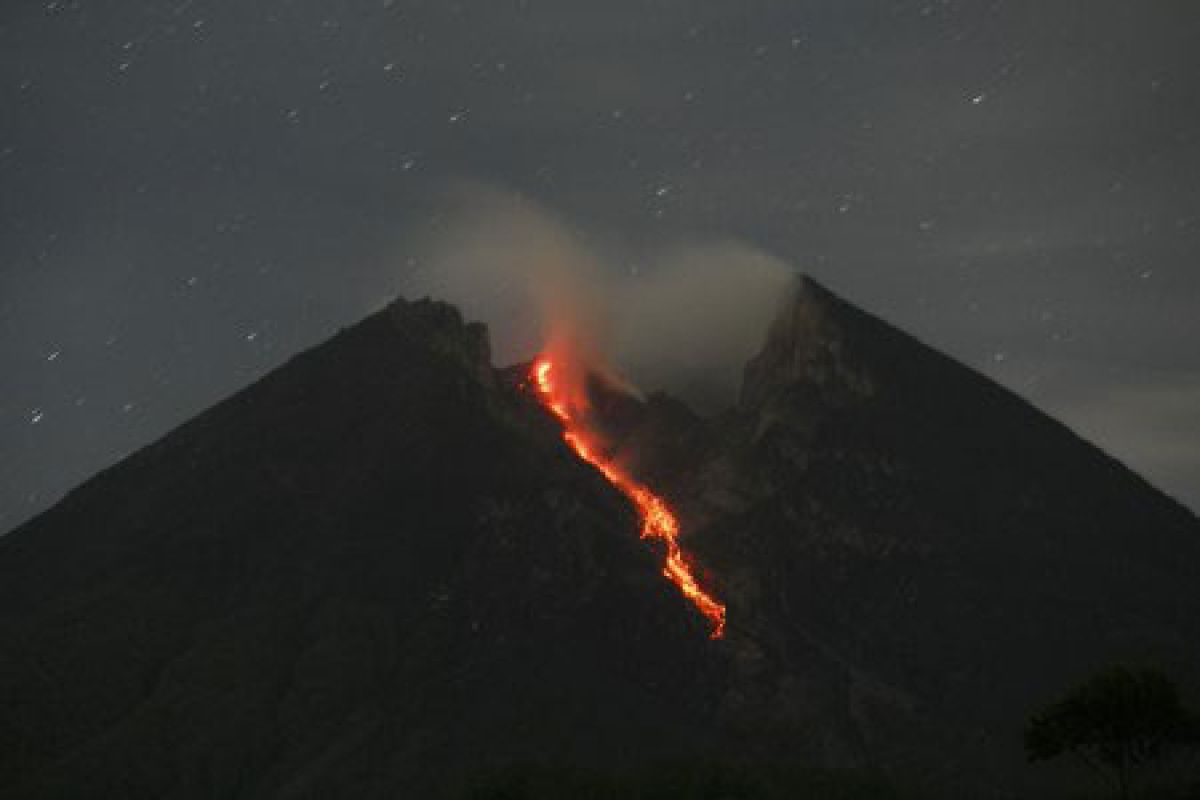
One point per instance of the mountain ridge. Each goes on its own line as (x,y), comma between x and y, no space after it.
(379,566)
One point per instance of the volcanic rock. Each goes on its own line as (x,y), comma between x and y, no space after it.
(380,572)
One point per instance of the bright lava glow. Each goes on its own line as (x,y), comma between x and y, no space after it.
(658,521)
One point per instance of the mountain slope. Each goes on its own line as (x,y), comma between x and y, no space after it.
(379,570)
(958,556)
(370,570)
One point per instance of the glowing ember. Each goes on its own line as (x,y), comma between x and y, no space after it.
(658,521)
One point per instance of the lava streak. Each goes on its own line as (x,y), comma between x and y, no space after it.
(658,521)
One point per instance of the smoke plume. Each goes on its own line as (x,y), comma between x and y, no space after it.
(682,317)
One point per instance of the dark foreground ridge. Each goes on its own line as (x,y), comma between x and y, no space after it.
(378,572)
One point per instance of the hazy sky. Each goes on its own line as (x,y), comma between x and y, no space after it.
(191,191)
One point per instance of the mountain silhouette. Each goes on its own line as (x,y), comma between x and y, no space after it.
(380,572)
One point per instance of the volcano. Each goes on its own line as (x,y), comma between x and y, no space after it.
(381,571)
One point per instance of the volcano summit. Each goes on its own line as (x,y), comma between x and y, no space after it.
(380,571)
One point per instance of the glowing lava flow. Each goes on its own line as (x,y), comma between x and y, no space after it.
(658,521)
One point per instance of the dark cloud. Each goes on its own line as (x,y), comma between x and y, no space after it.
(192,190)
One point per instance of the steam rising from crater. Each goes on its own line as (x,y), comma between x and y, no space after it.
(683,317)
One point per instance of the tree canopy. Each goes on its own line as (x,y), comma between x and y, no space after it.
(1116,722)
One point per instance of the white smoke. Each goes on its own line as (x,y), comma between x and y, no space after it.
(682,317)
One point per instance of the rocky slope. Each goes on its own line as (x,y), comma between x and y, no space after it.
(913,551)
(379,571)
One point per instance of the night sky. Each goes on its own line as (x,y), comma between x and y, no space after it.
(191,191)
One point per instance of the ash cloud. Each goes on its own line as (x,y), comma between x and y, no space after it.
(682,316)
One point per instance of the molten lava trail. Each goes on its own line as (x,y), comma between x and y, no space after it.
(658,521)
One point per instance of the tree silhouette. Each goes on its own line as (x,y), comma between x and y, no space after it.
(1116,722)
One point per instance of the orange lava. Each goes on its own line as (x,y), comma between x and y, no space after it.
(658,521)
